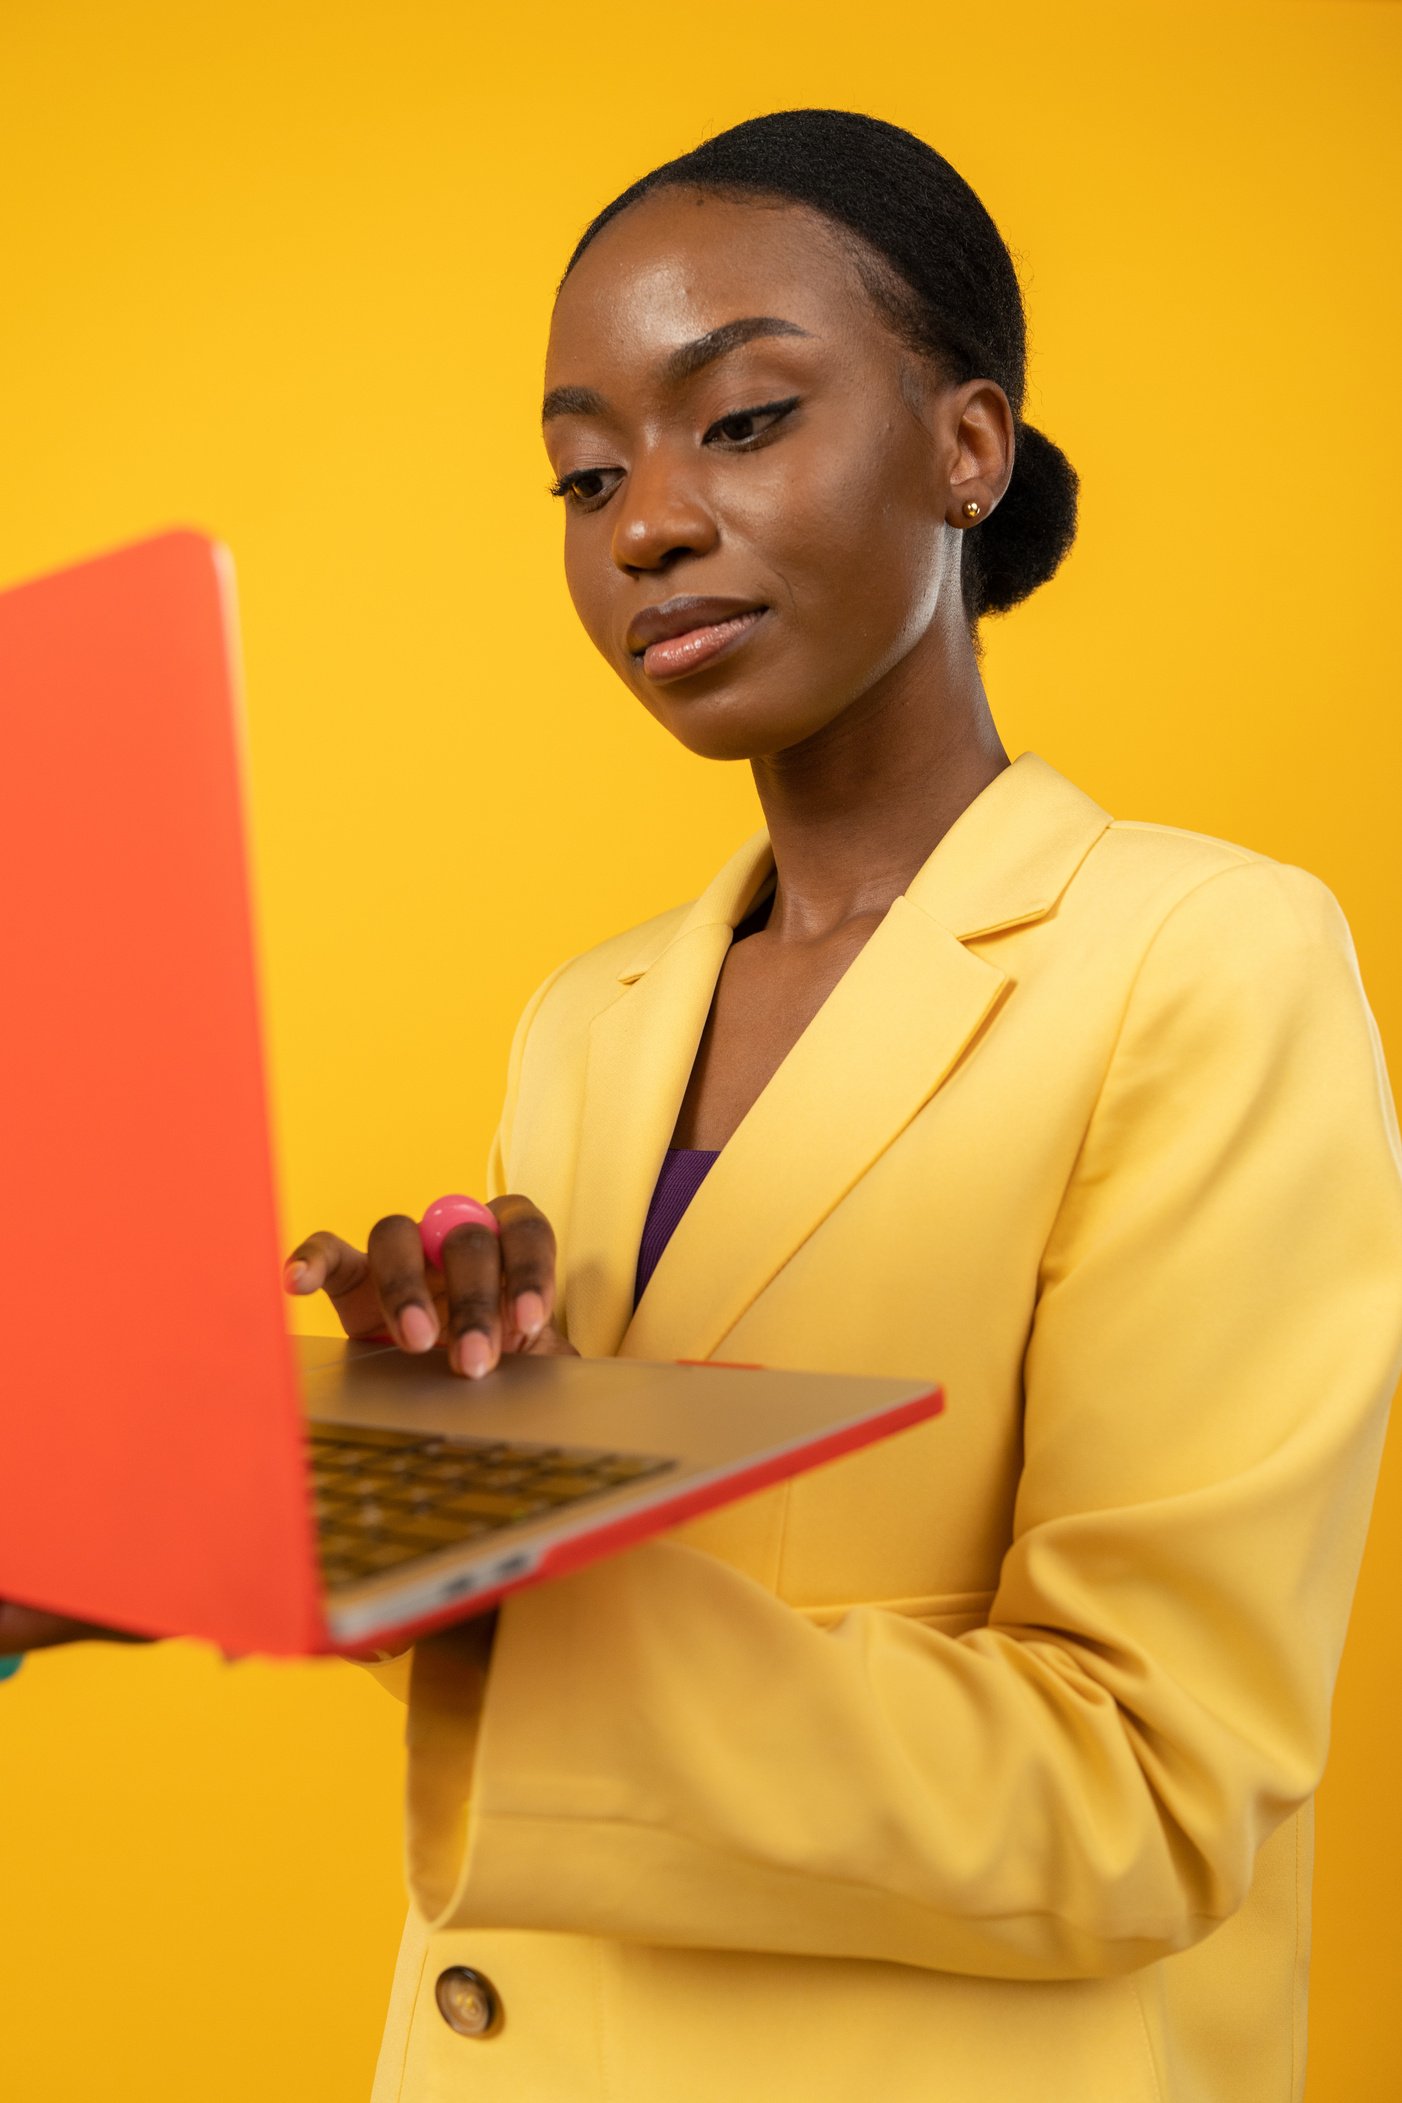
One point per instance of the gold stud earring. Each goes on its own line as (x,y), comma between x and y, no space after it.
(972,509)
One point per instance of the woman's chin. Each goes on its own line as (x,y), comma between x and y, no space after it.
(733,724)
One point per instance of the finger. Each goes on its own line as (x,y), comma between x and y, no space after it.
(527,1264)
(325,1261)
(472,1273)
(396,1258)
(25,1628)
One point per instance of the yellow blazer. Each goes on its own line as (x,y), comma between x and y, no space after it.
(977,1766)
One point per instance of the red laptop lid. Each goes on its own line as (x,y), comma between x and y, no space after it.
(150,1466)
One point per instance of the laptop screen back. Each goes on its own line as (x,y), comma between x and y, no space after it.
(150,1466)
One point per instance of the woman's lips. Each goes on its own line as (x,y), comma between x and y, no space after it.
(680,654)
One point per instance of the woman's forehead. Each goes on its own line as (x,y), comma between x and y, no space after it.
(682,263)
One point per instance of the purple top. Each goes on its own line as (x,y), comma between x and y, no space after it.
(684,1168)
(683,1172)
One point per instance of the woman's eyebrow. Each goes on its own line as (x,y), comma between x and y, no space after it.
(690,358)
(678,365)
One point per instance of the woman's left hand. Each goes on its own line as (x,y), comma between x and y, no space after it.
(495,1293)
(492,1295)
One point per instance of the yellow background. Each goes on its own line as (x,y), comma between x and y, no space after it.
(285,272)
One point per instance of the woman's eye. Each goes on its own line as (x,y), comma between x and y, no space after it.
(744,426)
(586,487)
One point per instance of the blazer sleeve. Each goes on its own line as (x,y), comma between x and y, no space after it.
(668,1753)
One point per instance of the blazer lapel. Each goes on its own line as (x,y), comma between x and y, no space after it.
(641,1051)
(893,1029)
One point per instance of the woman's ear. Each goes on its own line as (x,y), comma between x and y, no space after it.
(978,420)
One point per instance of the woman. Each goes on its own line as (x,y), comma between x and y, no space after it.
(979,1764)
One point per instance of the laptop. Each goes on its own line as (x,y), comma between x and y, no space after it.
(172,1460)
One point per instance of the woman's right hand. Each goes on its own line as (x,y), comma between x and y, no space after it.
(25,1628)
(494,1296)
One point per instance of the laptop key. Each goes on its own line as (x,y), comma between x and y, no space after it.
(338,1547)
(487,1504)
(374,1436)
(563,1489)
(410,1497)
(367,1518)
(389,1553)
(381,1555)
(377,1484)
(433,1530)
(495,1478)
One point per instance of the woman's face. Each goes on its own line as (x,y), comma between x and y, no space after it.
(731,420)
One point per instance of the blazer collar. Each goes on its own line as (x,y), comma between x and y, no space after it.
(893,1028)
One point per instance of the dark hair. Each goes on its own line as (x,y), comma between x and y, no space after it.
(934,262)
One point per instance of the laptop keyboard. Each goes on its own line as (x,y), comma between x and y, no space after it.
(386,1498)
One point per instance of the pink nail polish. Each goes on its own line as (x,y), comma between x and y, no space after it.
(475,1354)
(529,1314)
(419,1328)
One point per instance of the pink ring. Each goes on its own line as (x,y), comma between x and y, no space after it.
(445,1213)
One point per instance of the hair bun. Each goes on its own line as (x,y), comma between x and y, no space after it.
(1024,538)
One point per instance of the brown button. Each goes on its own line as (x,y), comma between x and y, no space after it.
(467,2001)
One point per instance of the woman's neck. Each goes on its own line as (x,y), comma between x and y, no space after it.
(855,811)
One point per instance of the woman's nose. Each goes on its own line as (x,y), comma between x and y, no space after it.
(661,515)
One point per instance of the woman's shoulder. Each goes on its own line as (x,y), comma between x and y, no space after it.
(1159,871)
(595,977)
(621,958)
(1208,925)
(1213,911)
(577,989)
